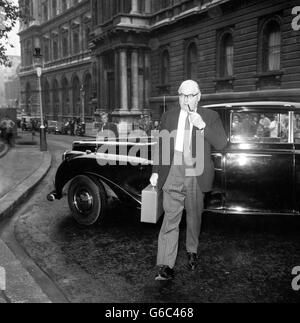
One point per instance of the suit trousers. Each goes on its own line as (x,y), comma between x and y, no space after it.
(180,192)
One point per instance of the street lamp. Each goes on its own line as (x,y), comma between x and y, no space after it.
(39,71)
(82,92)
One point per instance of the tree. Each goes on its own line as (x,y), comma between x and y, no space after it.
(9,15)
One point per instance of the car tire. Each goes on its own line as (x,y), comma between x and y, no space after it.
(87,200)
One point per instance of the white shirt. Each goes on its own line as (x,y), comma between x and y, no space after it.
(180,131)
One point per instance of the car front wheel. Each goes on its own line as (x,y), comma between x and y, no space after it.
(87,200)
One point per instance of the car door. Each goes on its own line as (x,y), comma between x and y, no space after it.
(259,165)
(215,201)
(296,128)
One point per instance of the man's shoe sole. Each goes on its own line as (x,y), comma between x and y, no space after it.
(160,278)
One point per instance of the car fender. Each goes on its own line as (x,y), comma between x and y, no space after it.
(88,165)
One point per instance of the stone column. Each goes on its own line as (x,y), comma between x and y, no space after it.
(147,80)
(117,80)
(123,78)
(141,81)
(135,79)
(134,6)
(102,84)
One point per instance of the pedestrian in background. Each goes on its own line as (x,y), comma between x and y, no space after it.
(107,129)
(7,126)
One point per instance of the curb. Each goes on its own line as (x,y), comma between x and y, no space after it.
(16,197)
(4,152)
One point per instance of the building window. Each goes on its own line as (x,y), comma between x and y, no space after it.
(45,11)
(65,44)
(64,5)
(227,56)
(76,41)
(76,96)
(191,62)
(87,37)
(47,49)
(54,8)
(55,48)
(165,66)
(225,60)
(65,97)
(269,58)
(88,95)
(271,47)
(164,72)
(28,98)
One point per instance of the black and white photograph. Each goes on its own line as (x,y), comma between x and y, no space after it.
(149,154)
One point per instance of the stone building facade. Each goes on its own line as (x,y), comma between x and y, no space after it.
(130,56)
(238,50)
(60,29)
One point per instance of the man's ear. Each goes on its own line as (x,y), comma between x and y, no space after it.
(199,97)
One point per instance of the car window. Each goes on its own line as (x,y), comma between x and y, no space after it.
(259,127)
(297,128)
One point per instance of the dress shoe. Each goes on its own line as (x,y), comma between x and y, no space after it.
(165,273)
(192,261)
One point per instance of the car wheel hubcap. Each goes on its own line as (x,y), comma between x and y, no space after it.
(83,201)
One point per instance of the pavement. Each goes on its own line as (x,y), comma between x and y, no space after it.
(21,169)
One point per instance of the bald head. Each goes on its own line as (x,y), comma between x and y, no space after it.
(189,95)
(189,87)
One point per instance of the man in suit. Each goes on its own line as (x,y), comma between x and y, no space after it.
(107,129)
(183,189)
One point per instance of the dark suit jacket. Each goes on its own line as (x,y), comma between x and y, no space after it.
(110,127)
(214,136)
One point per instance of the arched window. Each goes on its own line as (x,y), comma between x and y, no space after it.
(65,97)
(88,96)
(76,96)
(165,67)
(28,95)
(271,49)
(226,65)
(191,62)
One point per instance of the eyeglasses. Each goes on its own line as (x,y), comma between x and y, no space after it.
(189,96)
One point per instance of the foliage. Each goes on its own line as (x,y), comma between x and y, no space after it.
(9,14)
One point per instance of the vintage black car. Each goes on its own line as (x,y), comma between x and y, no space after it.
(257,173)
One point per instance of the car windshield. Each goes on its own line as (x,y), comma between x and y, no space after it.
(259,127)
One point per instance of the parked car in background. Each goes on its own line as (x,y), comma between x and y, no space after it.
(26,124)
(54,127)
(257,173)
